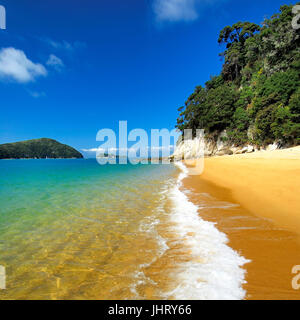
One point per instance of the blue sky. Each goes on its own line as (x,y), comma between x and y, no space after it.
(71,68)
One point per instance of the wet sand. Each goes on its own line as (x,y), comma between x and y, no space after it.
(264,227)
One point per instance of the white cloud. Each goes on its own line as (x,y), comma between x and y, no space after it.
(14,65)
(103,150)
(181,10)
(175,10)
(36,94)
(64,45)
(91,150)
(55,62)
(168,148)
(127,149)
(60,45)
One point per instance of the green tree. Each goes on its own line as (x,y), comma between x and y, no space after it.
(258,88)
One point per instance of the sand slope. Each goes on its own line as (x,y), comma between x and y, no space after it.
(265,183)
(265,227)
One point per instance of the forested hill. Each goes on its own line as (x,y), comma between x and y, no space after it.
(37,149)
(256,98)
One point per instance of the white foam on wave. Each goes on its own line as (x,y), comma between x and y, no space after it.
(214,271)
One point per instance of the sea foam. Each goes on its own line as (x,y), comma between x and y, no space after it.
(214,271)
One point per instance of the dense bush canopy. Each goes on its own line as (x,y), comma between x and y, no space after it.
(37,149)
(256,98)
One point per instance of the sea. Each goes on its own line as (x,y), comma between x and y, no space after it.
(74,229)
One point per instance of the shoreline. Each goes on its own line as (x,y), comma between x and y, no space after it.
(197,278)
(264,226)
(264,182)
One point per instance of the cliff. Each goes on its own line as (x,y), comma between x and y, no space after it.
(209,147)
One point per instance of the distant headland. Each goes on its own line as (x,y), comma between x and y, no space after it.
(38,149)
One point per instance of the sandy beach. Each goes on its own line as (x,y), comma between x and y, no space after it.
(264,227)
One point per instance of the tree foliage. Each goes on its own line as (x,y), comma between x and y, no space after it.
(258,87)
(37,149)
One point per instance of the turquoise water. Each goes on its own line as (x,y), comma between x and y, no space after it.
(72,229)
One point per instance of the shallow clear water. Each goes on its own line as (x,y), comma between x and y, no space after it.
(75,229)
(72,229)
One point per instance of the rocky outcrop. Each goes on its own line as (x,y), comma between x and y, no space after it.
(207,147)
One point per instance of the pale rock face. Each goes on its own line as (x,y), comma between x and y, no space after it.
(272,147)
(221,142)
(191,149)
(196,148)
(250,149)
(235,149)
(220,153)
(202,147)
(242,150)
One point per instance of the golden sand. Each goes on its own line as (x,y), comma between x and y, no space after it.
(265,228)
